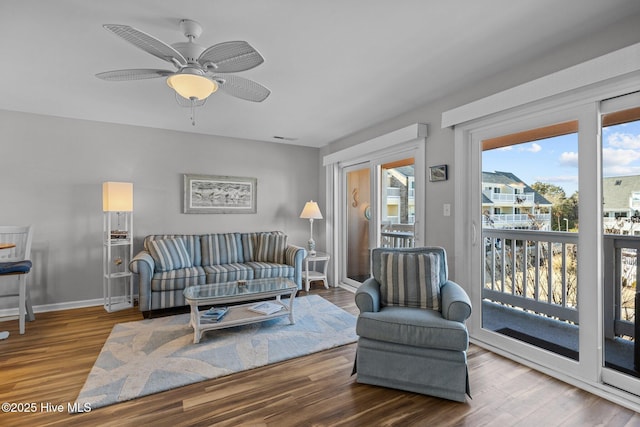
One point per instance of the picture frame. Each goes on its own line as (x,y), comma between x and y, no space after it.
(214,194)
(438,173)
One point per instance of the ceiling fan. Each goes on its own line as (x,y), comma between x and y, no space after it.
(200,71)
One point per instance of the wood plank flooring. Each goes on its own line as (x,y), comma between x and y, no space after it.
(49,364)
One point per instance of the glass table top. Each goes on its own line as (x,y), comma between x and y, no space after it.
(239,288)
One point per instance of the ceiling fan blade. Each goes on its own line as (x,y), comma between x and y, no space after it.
(242,88)
(133,74)
(230,57)
(147,43)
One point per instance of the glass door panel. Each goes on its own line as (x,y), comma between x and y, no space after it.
(357,215)
(621,237)
(397,204)
(530,234)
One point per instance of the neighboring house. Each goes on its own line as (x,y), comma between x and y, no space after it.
(507,202)
(621,206)
(399,197)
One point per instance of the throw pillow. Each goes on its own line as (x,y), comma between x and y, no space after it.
(271,248)
(170,254)
(410,280)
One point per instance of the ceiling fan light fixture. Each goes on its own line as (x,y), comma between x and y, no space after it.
(191,86)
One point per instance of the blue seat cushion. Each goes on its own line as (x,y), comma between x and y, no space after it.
(15,267)
(415,327)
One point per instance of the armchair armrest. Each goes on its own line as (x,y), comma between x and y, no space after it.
(456,304)
(368,296)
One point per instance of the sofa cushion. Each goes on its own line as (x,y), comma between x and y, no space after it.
(251,241)
(228,272)
(413,326)
(264,270)
(223,248)
(191,242)
(271,248)
(177,279)
(170,254)
(410,280)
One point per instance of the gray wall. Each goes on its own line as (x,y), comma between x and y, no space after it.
(440,230)
(51,174)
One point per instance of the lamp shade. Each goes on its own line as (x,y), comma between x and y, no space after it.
(192,86)
(311,211)
(117,196)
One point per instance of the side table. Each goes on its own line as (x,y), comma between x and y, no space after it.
(318,271)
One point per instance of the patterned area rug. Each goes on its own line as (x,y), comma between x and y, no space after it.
(154,355)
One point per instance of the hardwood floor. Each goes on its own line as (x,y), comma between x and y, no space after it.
(49,364)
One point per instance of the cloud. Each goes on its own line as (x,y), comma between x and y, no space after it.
(559,178)
(569,158)
(624,141)
(532,148)
(612,157)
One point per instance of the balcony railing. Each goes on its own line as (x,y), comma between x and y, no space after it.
(516,199)
(517,220)
(532,270)
(397,236)
(536,271)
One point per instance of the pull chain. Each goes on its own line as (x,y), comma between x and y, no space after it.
(193,111)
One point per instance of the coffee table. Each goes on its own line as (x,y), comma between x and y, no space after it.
(221,294)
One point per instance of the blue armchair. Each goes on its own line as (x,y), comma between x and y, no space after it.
(411,327)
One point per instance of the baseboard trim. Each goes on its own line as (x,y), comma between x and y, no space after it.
(13,312)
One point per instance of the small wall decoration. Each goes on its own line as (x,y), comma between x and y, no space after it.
(438,173)
(219,194)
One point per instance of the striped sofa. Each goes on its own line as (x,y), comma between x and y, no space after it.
(170,262)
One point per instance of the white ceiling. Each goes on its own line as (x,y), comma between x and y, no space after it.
(334,67)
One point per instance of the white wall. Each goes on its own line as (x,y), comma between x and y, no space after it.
(440,230)
(51,174)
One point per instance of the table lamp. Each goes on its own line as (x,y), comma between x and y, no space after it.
(311,211)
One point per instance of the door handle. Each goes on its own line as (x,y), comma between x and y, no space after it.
(474,233)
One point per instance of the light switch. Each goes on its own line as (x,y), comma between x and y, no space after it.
(446,209)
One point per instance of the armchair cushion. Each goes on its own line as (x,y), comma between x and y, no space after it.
(170,254)
(414,327)
(410,280)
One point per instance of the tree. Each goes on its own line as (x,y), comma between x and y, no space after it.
(562,207)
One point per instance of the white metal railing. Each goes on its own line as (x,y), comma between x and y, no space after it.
(393,191)
(527,198)
(515,220)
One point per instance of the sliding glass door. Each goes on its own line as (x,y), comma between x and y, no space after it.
(380,206)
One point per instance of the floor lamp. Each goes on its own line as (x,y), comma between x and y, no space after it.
(311,211)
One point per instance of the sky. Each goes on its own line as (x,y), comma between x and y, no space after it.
(555,160)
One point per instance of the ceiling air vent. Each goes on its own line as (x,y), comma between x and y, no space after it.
(284,138)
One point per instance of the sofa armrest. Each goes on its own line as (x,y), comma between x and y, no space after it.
(368,296)
(143,265)
(294,256)
(456,304)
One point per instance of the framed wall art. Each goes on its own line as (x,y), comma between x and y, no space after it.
(438,173)
(219,194)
